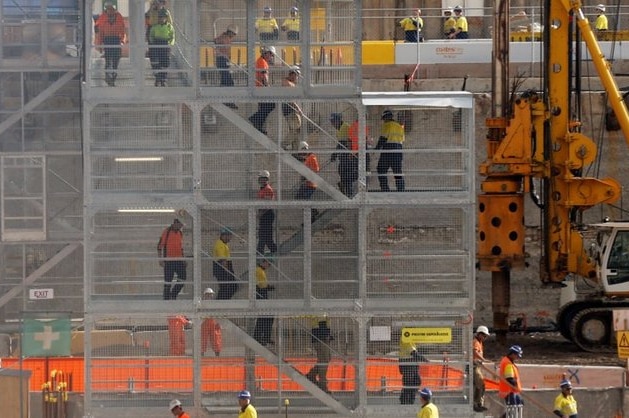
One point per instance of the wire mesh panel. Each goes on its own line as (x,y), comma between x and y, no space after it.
(419,253)
(141,147)
(140,256)
(432,153)
(52,125)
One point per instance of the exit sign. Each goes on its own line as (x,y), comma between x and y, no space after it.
(36,294)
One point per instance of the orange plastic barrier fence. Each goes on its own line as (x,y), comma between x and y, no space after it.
(161,374)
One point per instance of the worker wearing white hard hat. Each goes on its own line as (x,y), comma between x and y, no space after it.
(266,216)
(600,24)
(177,410)
(211,332)
(482,332)
(258,119)
(449,23)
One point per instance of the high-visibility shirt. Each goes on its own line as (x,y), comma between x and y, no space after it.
(107,28)
(352,134)
(412,24)
(248,412)
(291,24)
(508,369)
(566,405)
(221,250)
(477,348)
(393,132)
(312,163)
(428,411)
(170,243)
(261,280)
(162,32)
(461,23)
(262,72)
(266,192)
(601,22)
(343,132)
(266,25)
(449,25)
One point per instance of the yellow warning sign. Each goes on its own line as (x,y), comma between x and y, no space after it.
(623,343)
(426,335)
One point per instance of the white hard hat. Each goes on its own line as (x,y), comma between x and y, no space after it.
(303,145)
(208,291)
(173,404)
(482,330)
(600,7)
(264,173)
(270,49)
(233,29)
(294,69)
(267,9)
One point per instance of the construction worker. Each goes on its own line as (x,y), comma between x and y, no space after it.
(266,26)
(306,187)
(177,334)
(510,386)
(409,358)
(321,337)
(412,26)
(169,246)
(461,24)
(482,332)
(292,111)
(565,404)
(246,409)
(177,410)
(600,24)
(267,57)
(428,409)
(449,24)
(264,324)
(291,25)
(211,332)
(390,142)
(266,216)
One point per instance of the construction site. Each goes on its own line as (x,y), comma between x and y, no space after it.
(102,156)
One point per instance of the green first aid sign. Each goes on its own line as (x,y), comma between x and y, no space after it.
(42,338)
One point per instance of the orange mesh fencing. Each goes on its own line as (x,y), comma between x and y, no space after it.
(227,374)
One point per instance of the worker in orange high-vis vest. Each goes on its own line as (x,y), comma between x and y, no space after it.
(510,386)
(177,334)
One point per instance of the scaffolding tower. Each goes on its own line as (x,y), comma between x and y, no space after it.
(383,271)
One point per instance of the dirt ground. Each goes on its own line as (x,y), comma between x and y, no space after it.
(549,348)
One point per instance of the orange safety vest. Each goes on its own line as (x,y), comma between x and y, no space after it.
(504,388)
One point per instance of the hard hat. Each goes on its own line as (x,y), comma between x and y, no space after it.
(336,117)
(294,69)
(244,394)
(108,4)
(270,49)
(448,10)
(174,403)
(482,330)
(294,9)
(208,291)
(565,384)
(233,29)
(264,173)
(226,231)
(267,9)
(387,114)
(458,9)
(516,349)
(425,393)
(600,7)
(303,145)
